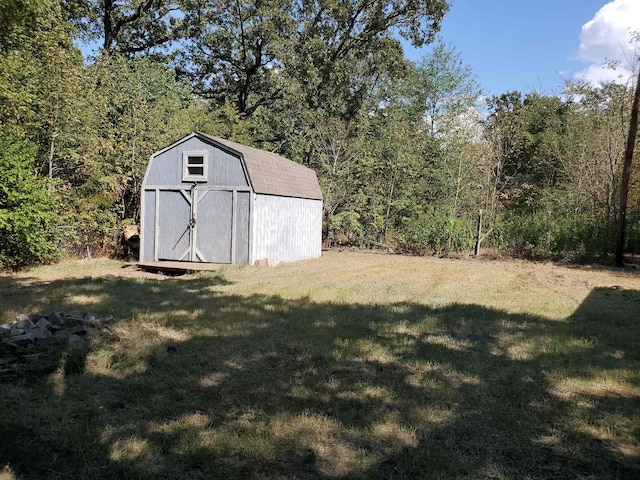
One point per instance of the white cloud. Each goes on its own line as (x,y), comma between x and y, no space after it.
(597,74)
(607,38)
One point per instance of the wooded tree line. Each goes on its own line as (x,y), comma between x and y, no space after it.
(408,154)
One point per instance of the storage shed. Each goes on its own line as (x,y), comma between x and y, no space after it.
(206,199)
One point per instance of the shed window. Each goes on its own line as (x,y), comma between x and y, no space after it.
(194,166)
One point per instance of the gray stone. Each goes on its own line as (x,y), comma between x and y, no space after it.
(72,320)
(76,342)
(22,317)
(53,341)
(56,318)
(73,330)
(29,335)
(15,332)
(43,323)
(15,340)
(25,324)
(36,333)
(19,338)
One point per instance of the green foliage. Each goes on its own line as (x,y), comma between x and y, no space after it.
(582,237)
(336,53)
(556,164)
(139,108)
(26,214)
(126,27)
(522,235)
(438,231)
(346,228)
(36,55)
(442,88)
(633,232)
(20,17)
(233,53)
(231,125)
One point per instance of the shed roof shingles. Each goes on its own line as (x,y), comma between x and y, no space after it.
(272,174)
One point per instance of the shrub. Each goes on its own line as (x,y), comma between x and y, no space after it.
(346,228)
(633,232)
(26,218)
(577,237)
(522,235)
(582,237)
(437,230)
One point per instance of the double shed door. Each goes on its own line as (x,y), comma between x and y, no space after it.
(203,224)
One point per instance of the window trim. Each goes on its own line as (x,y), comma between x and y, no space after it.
(186,177)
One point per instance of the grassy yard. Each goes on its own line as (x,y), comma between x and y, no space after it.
(353,366)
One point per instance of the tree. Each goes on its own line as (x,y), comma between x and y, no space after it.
(19,16)
(441,96)
(139,108)
(628,158)
(233,49)
(391,174)
(596,132)
(43,87)
(329,47)
(338,147)
(443,87)
(125,27)
(26,213)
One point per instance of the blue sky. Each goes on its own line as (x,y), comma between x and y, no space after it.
(537,45)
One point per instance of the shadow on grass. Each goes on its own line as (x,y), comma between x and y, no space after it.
(264,387)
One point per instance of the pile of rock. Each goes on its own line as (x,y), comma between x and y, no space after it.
(29,328)
(38,337)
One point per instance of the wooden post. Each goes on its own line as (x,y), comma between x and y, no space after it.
(476,250)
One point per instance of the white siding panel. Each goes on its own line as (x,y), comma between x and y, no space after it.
(287,229)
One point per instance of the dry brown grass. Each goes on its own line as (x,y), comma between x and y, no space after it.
(356,365)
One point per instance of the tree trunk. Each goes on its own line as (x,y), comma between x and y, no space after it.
(107,27)
(52,148)
(325,230)
(547,243)
(626,174)
(389,201)
(455,204)
(476,250)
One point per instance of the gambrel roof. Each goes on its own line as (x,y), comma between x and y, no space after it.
(272,174)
